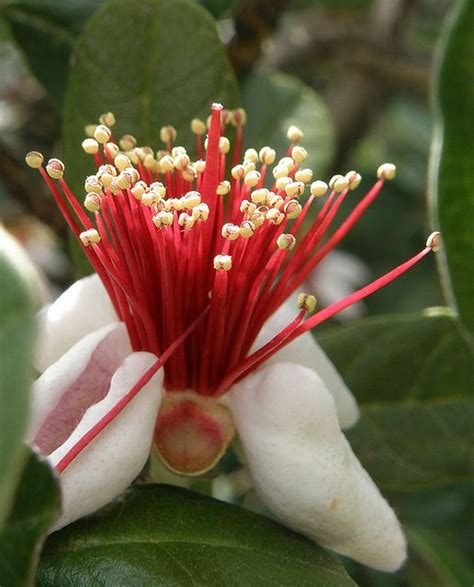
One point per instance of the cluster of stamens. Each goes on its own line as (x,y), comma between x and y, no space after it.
(219,235)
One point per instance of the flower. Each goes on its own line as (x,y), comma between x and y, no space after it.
(198,270)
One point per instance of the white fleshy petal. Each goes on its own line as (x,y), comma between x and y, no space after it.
(81,309)
(92,360)
(305,470)
(114,458)
(306,351)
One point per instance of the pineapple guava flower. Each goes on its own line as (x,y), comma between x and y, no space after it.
(192,330)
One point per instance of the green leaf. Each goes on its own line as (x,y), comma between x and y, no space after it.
(276,101)
(16,346)
(34,510)
(402,357)
(417,408)
(406,446)
(46,31)
(435,562)
(164,535)
(168,69)
(452,171)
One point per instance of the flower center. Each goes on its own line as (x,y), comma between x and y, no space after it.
(192,432)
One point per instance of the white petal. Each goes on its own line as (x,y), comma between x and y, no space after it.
(115,458)
(306,351)
(305,470)
(81,309)
(85,370)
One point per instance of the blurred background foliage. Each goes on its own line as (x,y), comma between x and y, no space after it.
(356,74)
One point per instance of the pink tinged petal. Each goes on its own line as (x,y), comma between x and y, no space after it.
(112,461)
(307,352)
(304,468)
(81,309)
(80,378)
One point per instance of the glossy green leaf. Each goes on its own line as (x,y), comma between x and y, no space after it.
(45,31)
(168,71)
(16,345)
(34,510)
(164,535)
(402,357)
(276,101)
(452,169)
(414,378)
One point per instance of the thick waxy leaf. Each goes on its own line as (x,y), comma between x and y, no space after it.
(276,101)
(34,510)
(452,170)
(46,32)
(164,535)
(167,70)
(417,410)
(16,344)
(402,357)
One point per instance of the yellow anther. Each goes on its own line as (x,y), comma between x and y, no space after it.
(223,188)
(338,183)
(434,241)
(292,209)
(114,188)
(275,216)
(319,188)
(257,218)
(267,155)
(149,198)
(299,154)
(89,237)
(149,162)
(287,162)
(90,146)
(186,221)
(34,159)
(133,156)
(282,182)
(192,199)
(354,179)
(307,302)
(386,171)
(92,202)
(259,196)
(247,228)
(160,154)
(249,165)
(121,162)
(247,207)
(163,218)
(280,171)
(238,171)
(224,145)
(168,134)
(294,189)
(166,164)
(139,189)
(286,241)
(198,126)
(294,134)
(89,130)
(275,201)
(304,175)
(252,178)
(102,134)
(112,149)
(222,262)
(189,173)
(124,181)
(177,151)
(199,166)
(128,142)
(230,231)
(182,161)
(239,117)
(108,119)
(55,168)
(251,155)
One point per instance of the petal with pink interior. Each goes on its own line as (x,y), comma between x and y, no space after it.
(304,468)
(107,466)
(81,309)
(306,351)
(80,378)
